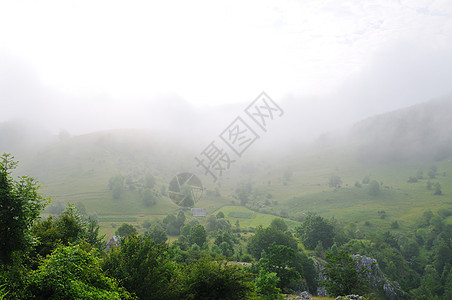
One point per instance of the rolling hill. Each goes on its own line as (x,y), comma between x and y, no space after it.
(388,148)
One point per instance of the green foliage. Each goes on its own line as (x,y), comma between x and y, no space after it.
(266,285)
(173,224)
(264,237)
(395,225)
(73,272)
(343,278)
(3,292)
(149,197)
(157,234)
(335,181)
(280,259)
(144,268)
(224,240)
(243,192)
(279,224)
(374,188)
(366,180)
(211,223)
(220,215)
(125,230)
(207,279)
(149,181)
(20,206)
(69,227)
(214,223)
(188,199)
(438,190)
(197,235)
(315,229)
(116,185)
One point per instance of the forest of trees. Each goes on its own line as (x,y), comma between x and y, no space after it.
(64,257)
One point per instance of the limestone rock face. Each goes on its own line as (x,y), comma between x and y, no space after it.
(376,278)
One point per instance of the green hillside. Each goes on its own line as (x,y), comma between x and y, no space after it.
(78,170)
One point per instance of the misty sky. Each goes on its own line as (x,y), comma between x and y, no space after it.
(89,65)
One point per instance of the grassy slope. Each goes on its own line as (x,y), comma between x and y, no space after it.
(78,170)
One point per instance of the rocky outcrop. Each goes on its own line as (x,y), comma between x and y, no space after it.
(350,297)
(376,278)
(301,296)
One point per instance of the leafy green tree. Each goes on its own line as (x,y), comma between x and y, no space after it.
(149,181)
(69,227)
(266,285)
(342,276)
(280,260)
(264,237)
(438,190)
(187,196)
(315,229)
(211,223)
(279,224)
(442,255)
(180,219)
(73,272)
(197,235)
(149,197)
(366,180)
(173,224)
(335,181)
(144,268)
(207,279)
(430,285)
(125,230)
(224,240)
(157,234)
(20,206)
(374,188)
(116,184)
(220,215)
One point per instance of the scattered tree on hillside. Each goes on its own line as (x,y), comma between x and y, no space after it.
(287,176)
(315,229)
(279,224)
(374,188)
(264,237)
(187,196)
(366,180)
(125,230)
(335,181)
(438,190)
(116,185)
(149,181)
(149,197)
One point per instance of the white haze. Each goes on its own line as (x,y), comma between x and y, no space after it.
(192,66)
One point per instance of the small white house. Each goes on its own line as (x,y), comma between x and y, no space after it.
(199,212)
